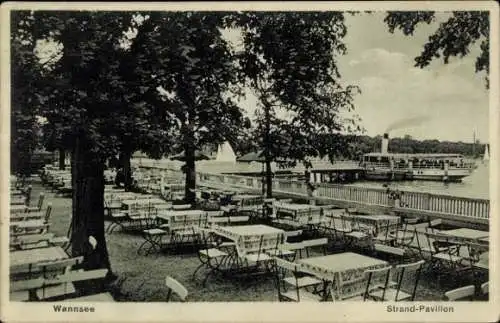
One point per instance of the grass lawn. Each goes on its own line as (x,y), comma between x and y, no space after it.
(141,278)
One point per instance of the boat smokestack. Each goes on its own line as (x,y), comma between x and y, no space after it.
(385,144)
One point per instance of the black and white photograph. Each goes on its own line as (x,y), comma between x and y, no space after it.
(240,155)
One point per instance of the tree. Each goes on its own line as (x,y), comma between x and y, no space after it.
(289,61)
(184,56)
(79,94)
(25,73)
(454,37)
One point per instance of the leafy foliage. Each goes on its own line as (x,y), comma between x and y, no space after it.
(185,59)
(289,60)
(25,73)
(454,37)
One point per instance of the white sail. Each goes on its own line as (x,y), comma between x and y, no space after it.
(486,155)
(225,153)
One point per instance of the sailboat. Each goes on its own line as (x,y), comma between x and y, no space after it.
(486,156)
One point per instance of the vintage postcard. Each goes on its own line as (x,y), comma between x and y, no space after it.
(249,161)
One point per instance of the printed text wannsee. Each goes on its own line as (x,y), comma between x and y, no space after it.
(78,309)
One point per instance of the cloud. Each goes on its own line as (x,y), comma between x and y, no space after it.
(393,89)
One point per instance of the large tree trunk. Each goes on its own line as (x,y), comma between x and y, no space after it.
(62,159)
(190,168)
(88,207)
(126,155)
(267,152)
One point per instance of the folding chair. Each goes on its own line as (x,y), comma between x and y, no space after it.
(383,236)
(307,244)
(209,255)
(296,280)
(21,290)
(401,292)
(375,280)
(63,284)
(445,255)
(462,293)
(352,231)
(174,287)
(39,205)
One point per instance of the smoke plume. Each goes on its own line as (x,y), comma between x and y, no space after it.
(407,122)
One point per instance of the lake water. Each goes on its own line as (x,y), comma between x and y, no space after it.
(475,185)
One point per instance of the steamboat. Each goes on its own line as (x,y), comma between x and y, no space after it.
(432,167)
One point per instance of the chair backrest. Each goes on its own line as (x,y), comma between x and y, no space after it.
(52,266)
(215,213)
(404,270)
(48,212)
(290,234)
(476,249)
(34,238)
(466,292)
(485,288)
(26,284)
(239,219)
(377,278)
(435,222)
(175,287)
(77,275)
(181,207)
(282,268)
(28,194)
(314,242)
(435,240)
(347,223)
(40,201)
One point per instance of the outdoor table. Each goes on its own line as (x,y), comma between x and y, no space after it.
(18,208)
(142,203)
(378,221)
(36,256)
(18,201)
(345,270)
(295,209)
(466,234)
(239,197)
(181,219)
(483,262)
(251,238)
(27,227)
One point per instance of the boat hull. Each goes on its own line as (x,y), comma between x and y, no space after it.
(440,175)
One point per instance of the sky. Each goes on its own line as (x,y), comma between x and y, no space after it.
(449,101)
(444,101)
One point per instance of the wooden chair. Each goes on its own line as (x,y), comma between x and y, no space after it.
(383,236)
(20,290)
(101,297)
(376,280)
(299,282)
(352,231)
(485,288)
(390,251)
(31,241)
(445,255)
(306,245)
(61,285)
(210,256)
(462,293)
(48,213)
(175,287)
(39,205)
(400,292)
